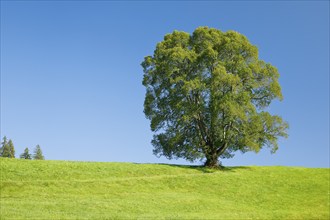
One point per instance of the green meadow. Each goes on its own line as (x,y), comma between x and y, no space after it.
(33,189)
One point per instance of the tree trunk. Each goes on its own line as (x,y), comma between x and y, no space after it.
(212,161)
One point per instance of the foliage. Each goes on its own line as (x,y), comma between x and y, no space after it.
(34,189)
(206,96)
(11,149)
(7,148)
(26,154)
(37,155)
(3,147)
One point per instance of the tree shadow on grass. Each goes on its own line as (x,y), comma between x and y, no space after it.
(204,169)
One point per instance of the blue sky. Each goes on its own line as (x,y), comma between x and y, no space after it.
(71,74)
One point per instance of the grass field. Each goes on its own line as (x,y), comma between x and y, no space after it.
(91,190)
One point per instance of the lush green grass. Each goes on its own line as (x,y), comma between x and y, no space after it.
(88,190)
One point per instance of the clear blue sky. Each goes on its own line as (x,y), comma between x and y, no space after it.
(71,74)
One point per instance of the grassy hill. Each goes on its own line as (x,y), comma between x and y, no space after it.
(90,190)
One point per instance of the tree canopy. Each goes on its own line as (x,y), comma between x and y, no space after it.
(207,94)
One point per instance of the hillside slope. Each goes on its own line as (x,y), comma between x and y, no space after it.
(91,190)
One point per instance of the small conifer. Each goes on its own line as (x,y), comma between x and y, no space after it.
(26,155)
(11,149)
(4,143)
(7,149)
(38,153)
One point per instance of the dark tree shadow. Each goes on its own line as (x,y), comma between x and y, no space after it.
(204,169)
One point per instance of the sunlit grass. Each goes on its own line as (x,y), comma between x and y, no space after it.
(90,190)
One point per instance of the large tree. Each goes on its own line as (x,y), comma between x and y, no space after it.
(207,96)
